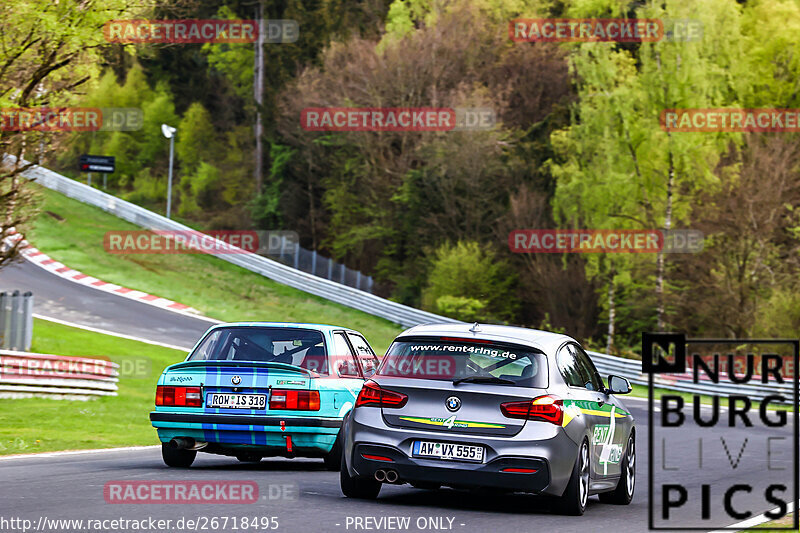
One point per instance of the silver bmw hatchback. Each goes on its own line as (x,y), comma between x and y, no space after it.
(491,406)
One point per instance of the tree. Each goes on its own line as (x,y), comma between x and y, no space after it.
(47,51)
(554,288)
(752,243)
(467,281)
(616,166)
(379,198)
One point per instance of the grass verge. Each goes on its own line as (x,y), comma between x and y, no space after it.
(72,233)
(40,424)
(768,527)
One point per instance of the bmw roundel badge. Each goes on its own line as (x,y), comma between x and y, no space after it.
(453,403)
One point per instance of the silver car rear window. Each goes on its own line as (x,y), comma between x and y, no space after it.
(454,359)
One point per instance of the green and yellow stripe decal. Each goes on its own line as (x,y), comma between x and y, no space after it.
(573,408)
(448,422)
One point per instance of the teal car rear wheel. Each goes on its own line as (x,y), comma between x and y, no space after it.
(333,460)
(177,458)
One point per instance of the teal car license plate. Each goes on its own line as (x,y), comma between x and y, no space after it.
(236,401)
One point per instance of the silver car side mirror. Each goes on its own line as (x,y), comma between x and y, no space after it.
(618,385)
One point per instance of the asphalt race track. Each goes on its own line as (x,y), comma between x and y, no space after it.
(59,298)
(306,497)
(299,492)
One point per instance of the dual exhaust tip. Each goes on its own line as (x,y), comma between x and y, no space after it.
(386,476)
(186,443)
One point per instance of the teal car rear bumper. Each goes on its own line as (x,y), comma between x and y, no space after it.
(308,434)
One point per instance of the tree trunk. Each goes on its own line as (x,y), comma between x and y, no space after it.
(312,216)
(258,89)
(660,274)
(612,313)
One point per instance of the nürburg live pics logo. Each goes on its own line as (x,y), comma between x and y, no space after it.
(725,448)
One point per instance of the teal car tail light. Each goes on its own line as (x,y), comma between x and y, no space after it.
(300,400)
(548,408)
(372,395)
(178,396)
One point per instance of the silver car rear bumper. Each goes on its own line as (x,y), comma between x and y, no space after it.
(539,446)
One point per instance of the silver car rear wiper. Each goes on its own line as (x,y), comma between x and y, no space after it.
(483,379)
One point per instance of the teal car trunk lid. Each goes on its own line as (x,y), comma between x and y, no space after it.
(229,375)
(240,377)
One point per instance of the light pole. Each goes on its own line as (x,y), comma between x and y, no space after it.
(169,133)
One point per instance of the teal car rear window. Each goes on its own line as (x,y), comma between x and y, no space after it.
(294,346)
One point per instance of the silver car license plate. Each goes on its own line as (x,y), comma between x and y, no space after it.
(448,451)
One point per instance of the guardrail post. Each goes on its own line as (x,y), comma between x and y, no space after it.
(341,274)
(314,262)
(369,284)
(330,268)
(28,312)
(17,321)
(296,257)
(358,279)
(5,320)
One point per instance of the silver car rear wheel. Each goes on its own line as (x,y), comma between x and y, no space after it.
(573,502)
(584,480)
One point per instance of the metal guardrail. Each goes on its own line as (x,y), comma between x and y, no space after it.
(324,267)
(357,299)
(632,370)
(341,294)
(26,375)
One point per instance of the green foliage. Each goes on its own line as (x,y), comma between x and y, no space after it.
(468,278)
(195,139)
(265,208)
(770,33)
(546,325)
(57,41)
(160,109)
(578,143)
(148,189)
(615,165)
(779,314)
(233,61)
(201,189)
(135,151)
(466,309)
(398,21)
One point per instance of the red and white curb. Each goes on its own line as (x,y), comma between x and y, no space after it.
(46,262)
